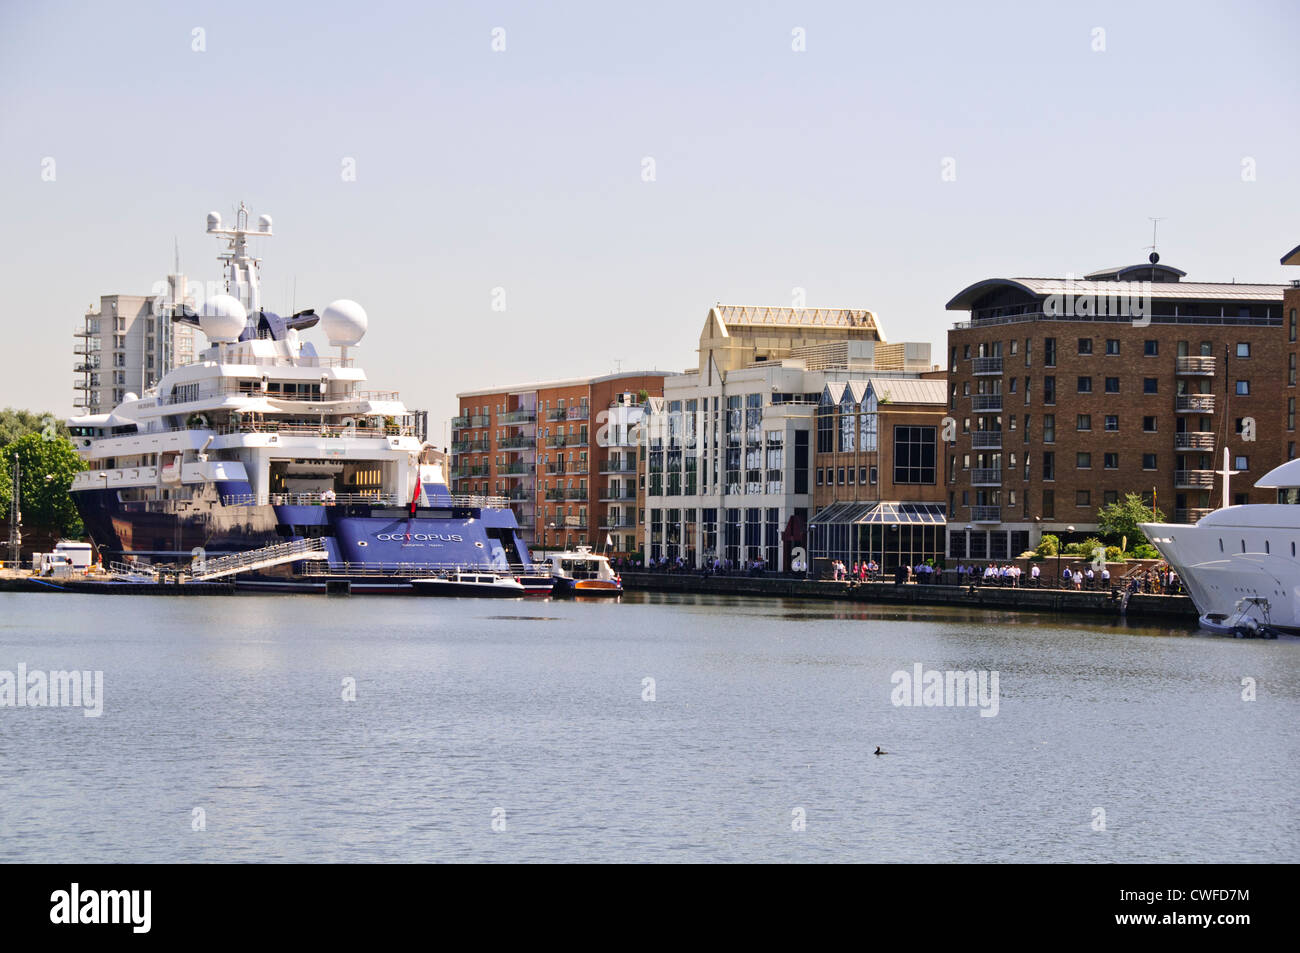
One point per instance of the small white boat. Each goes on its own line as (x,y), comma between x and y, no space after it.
(478,584)
(581,572)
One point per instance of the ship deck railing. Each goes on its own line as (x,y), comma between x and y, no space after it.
(418,570)
(374,499)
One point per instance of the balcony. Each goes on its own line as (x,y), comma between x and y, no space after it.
(1193,479)
(1194,404)
(986,365)
(1194,366)
(985,476)
(569,413)
(1191,514)
(1194,440)
(617,494)
(469,421)
(460,473)
(618,465)
(516,443)
(562,493)
(986,403)
(469,446)
(517,418)
(514,469)
(618,522)
(986,440)
(567,440)
(986,514)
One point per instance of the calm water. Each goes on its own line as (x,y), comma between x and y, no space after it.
(464,707)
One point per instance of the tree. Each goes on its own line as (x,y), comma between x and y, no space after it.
(6,486)
(1120,519)
(1049,545)
(48,466)
(16,423)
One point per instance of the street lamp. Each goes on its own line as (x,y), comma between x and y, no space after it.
(1060,544)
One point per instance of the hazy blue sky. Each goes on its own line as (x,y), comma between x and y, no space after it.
(522,169)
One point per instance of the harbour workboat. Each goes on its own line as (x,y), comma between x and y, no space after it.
(580,572)
(476,584)
(263,441)
(1239,563)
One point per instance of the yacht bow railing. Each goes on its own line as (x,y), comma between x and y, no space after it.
(419,570)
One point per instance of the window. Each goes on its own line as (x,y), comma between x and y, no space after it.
(1149,424)
(1011,385)
(862,475)
(1112,346)
(1049,428)
(914,454)
(1082,497)
(1243,349)
(1110,496)
(1049,390)
(1290,413)
(1049,465)
(841,476)
(872,471)
(1243,388)
(1150,348)
(1292,328)
(1290,369)
(1014,345)
(819,476)
(1085,345)
(1110,461)
(1083,461)
(1085,385)
(1148,461)
(1049,352)
(1112,385)
(1083,422)
(853,473)
(1150,385)
(1241,463)
(1112,423)
(965,352)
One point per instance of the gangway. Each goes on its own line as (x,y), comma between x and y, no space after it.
(311,549)
(203,570)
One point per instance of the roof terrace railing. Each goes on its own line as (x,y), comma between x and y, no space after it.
(1227,320)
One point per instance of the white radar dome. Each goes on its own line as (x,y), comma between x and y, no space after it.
(222,319)
(345,322)
(130,396)
(214,220)
(264,223)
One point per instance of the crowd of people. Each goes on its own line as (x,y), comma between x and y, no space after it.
(1159,579)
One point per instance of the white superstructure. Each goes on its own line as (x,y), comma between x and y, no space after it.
(1240,562)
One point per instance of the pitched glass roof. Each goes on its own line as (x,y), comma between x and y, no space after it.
(882,512)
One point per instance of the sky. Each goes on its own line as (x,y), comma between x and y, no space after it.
(618,168)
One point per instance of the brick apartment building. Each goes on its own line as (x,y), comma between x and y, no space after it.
(1290,305)
(561,451)
(1068,395)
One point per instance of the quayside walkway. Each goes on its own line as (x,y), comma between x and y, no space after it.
(1097,602)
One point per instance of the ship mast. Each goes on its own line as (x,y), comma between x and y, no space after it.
(242,269)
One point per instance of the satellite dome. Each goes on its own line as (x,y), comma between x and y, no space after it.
(264,223)
(130,396)
(344,322)
(214,220)
(222,318)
